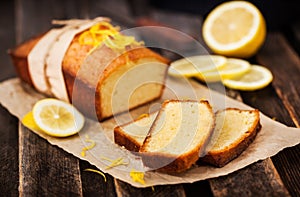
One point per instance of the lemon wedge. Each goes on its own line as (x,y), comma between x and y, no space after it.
(29,122)
(57,118)
(256,78)
(192,66)
(233,68)
(235,29)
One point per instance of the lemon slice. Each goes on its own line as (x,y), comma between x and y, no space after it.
(192,66)
(256,78)
(235,28)
(57,118)
(233,68)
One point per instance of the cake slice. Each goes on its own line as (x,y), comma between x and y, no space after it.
(235,129)
(178,136)
(132,135)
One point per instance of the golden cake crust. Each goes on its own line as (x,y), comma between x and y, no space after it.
(220,158)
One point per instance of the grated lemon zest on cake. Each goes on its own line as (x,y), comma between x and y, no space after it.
(104,32)
(96,171)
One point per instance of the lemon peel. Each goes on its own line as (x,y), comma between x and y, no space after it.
(28,121)
(137,176)
(109,35)
(97,33)
(96,171)
(116,162)
(143,116)
(89,147)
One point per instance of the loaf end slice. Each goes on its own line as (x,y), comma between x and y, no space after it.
(235,130)
(178,136)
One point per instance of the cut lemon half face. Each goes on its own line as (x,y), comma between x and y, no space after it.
(235,28)
(233,68)
(256,78)
(57,118)
(192,66)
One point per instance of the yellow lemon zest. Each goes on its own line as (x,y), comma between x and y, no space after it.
(92,145)
(143,116)
(106,33)
(120,42)
(96,171)
(137,176)
(116,162)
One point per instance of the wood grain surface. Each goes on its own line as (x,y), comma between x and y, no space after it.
(30,166)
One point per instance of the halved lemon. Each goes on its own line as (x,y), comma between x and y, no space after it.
(233,68)
(57,118)
(256,78)
(235,29)
(191,66)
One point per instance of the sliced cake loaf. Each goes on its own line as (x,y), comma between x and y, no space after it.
(178,136)
(235,129)
(91,64)
(133,134)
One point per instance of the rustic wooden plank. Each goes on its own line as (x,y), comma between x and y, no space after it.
(284,63)
(9,164)
(124,189)
(93,184)
(262,179)
(46,170)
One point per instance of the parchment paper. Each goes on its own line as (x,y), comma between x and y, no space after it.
(273,137)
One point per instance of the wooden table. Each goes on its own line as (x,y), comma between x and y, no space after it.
(30,166)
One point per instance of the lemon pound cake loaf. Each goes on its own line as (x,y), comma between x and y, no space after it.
(132,135)
(234,131)
(91,64)
(178,136)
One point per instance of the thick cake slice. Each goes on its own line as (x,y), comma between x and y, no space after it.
(133,134)
(178,136)
(235,129)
